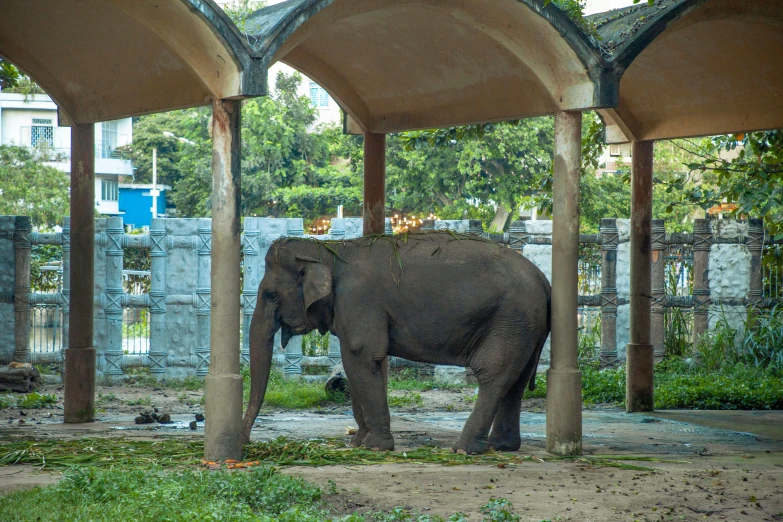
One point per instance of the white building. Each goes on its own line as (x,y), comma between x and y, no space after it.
(31,121)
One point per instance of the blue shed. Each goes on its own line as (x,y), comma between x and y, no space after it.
(136,203)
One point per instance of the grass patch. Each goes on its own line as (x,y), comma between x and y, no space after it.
(152,493)
(108,453)
(141,401)
(29,401)
(680,385)
(292,394)
(406,400)
(407,379)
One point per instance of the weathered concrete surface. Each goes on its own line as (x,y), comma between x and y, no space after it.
(729,271)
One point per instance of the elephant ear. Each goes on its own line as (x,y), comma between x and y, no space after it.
(316,280)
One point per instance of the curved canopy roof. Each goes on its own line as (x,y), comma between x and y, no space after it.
(106,59)
(695,68)
(407,64)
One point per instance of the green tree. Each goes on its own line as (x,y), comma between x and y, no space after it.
(29,187)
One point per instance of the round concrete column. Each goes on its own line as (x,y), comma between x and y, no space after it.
(639,353)
(374,183)
(80,355)
(564,380)
(223,428)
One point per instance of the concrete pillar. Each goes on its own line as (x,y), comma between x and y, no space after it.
(223,429)
(80,355)
(564,380)
(610,238)
(203,295)
(112,297)
(702,243)
(658,289)
(158,263)
(639,353)
(374,183)
(22,251)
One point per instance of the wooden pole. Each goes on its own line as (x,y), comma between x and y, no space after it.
(374,183)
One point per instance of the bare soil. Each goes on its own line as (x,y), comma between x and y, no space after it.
(722,467)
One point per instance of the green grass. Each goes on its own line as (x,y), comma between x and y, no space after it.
(292,394)
(141,401)
(679,385)
(151,493)
(407,379)
(405,401)
(29,401)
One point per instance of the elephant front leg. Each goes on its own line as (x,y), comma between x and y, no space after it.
(367,379)
(358,412)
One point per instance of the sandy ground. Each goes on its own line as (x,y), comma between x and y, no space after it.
(724,465)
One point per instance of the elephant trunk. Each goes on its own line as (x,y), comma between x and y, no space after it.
(262,342)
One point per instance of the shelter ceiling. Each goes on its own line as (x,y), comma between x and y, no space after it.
(106,59)
(716,67)
(399,65)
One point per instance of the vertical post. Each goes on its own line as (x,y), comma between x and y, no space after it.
(610,238)
(223,431)
(203,295)
(639,354)
(755,244)
(22,250)
(337,233)
(702,243)
(80,356)
(658,289)
(250,282)
(374,183)
(518,236)
(564,380)
(66,292)
(113,297)
(158,264)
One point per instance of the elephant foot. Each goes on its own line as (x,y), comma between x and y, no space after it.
(379,442)
(473,447)
(505,443)
(358,439)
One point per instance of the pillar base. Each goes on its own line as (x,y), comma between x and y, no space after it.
(639,378)
(79,385)
(223,412)
(564,411)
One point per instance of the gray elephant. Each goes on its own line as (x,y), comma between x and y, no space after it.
(433,297)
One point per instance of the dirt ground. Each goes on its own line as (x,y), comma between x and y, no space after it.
(719,465)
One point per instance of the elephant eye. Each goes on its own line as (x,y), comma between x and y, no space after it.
(270,296)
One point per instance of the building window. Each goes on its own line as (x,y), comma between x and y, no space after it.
(108,190)
(42,133)
(108,138)
(318,95)
(614,149)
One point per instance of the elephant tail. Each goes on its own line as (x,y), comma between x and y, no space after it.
(537,354)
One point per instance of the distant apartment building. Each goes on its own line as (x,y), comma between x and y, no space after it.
(31,121)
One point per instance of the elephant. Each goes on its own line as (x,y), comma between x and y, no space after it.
(434,297)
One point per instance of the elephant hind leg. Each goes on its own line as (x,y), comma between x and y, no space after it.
(495,381)
(505,426)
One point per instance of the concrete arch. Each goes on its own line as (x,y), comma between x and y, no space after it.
(701,67)
(398,65)
(177,54)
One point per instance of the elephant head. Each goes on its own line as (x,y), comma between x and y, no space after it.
(295,296)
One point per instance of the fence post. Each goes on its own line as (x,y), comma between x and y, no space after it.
(250,283)
(22,248)
(755,244)
(158,263)
(702,242)
(610,238)
(112,354)
(334,354)
(518,236)
(293,351)
(658,289)
(475,227)
(203,295)
(66,279)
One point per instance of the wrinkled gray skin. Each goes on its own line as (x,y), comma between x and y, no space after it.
(464,302)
